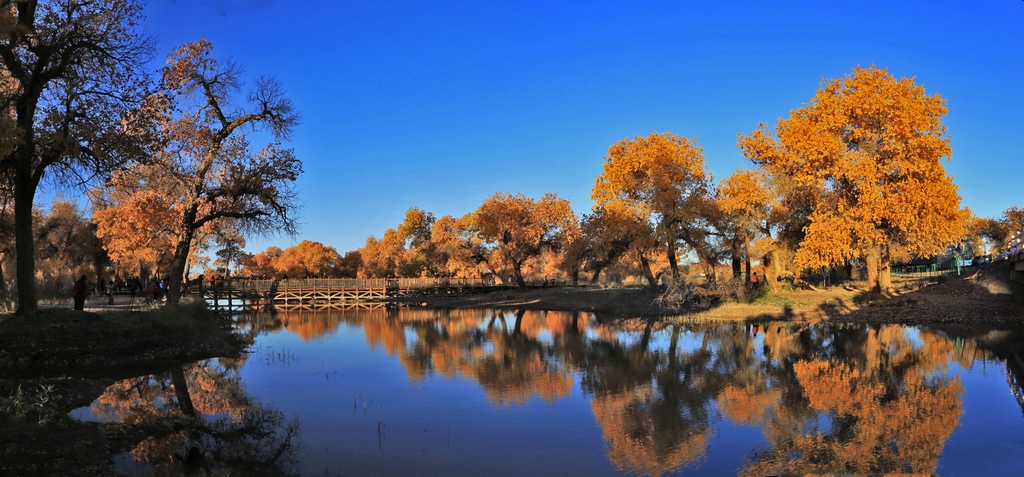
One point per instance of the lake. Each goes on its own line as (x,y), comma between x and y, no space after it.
(416,391)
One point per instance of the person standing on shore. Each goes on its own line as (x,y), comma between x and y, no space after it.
(78,292)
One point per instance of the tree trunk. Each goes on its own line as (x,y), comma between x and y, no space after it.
(871,262)
(101,278)
(737,259)
(595,276)
(672,345)
(709,270)
(746,256)
(517,271)
(25,255)
(3,282)
(648,274)
(871,351)
(772,268)
(520,315)
(181,391)
(178,264)
(645,340)
(673,262)
(188,266)
(884,269)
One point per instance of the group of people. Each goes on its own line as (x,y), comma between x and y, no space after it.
(160,288)
(80,290)
(131,284)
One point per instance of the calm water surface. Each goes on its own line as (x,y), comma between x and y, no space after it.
(483,392)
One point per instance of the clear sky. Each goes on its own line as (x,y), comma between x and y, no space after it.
(439,104)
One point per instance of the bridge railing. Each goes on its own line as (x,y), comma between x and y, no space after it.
(922,271)
(307,284)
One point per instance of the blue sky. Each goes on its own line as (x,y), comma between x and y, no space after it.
(440,104)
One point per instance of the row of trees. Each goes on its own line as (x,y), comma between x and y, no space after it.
(168,160)
(853,176)
(304,260)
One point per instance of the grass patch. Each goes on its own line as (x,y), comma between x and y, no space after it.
(833,303)
(34,404)
(869,299)
(773,299)
(193,315)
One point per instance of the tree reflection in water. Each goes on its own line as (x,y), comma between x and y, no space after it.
(200,420)
(652,405)
(828,398)
(854,399)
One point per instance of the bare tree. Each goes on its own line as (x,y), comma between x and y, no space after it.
(203,150)
(70,71)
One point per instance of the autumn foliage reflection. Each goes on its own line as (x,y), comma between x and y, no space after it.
(827,397)
(199,417)
(866,401)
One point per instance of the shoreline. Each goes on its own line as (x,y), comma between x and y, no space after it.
(980,297)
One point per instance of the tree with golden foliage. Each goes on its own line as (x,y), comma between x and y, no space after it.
(261,264)
(135,217)
(745,202)
(308,259)
(204,152)
(978,231)
(610,233)
(403,251)
(414,232)
(662,178)
(1009,224)
(764,218)
(863,400)
(382,257)
(1013,220)
(521,227)
(458,250)
(873,144)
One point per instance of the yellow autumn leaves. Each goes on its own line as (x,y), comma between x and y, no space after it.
(853,175)
(871,146)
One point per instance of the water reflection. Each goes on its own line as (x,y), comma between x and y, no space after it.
(666,398)
(199,419)
(859,400)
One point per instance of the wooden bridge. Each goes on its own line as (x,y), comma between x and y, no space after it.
(331,293)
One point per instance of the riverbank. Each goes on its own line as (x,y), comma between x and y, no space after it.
(981,296)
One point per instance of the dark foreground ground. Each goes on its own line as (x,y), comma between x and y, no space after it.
(60,360)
